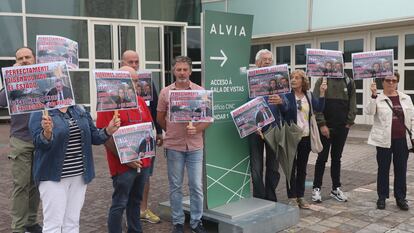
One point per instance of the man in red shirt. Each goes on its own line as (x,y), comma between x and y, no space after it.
(127,182)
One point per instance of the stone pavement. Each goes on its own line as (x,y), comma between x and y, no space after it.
(359,214)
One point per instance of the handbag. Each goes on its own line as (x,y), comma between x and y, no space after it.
(406,128)
(316,144)
(315,139)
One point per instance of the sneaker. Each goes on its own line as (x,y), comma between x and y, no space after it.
(402,203)
(178,228)
(316,195)
(34,229)
(381,204)
(199,229)
(339,195)
(149,216)
(302,203)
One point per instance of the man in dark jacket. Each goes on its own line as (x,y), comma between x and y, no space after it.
(334,124)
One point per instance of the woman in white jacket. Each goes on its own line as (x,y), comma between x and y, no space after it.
(391,133)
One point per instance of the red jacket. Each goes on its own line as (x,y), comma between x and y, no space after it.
(128,117)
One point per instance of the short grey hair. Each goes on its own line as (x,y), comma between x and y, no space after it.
(261,52)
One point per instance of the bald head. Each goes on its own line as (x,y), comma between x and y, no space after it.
(134,75)
(130,58)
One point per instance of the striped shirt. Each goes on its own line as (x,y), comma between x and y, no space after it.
(73,163)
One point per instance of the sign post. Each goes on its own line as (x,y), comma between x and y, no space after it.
(226,51)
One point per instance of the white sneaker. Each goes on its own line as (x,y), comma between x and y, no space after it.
(339,195)
(316,195)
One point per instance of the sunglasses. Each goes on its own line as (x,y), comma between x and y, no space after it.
(299,104)
(391,80)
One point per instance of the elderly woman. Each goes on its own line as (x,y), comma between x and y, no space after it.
(305,101)
(63,163)
(391,134)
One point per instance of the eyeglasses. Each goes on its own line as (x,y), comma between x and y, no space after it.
(299,104)
(391,80)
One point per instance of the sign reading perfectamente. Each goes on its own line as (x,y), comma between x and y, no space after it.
(226,51)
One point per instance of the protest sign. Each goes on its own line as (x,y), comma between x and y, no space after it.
(144,85)
(324,63)
(191,105)
(114,90)
(134,142)
(57,48)
(373,64)
(37,87)
(251,116)
(268,80)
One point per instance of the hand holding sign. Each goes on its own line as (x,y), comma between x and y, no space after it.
(47,125)
(114,124)
(275,99)
(191,130)
(374,88)
(323,87)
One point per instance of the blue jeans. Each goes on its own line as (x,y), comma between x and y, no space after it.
(193,160)
(128,189)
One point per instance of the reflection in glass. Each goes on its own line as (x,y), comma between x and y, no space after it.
(352,46)
(409,46)
(104,65)
(408,80)
(283,55)
(172,40)
(156,79)
(80,85)
(194,43)
(300,53)
(359,97)
(103,42)
(126,40)
(172,10)
(76,30)
(124,9)
(11,35)
(152,44)
(331,45)
(256,48)
(387,42)
(11,6)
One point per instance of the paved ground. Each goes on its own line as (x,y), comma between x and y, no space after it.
(357,215)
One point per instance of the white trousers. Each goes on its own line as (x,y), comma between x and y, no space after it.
(62,203)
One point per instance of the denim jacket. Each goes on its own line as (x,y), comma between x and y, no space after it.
(50,154)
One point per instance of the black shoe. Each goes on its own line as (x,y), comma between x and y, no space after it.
(178,228)
(34,229)
(199,229)
(381,204)
(402,203)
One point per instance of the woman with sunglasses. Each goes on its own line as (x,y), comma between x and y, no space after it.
(393,113)
(305,101)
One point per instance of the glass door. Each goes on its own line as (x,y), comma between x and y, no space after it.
(108,41)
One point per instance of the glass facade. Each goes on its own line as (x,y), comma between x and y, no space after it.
(76,30)
(331,45)
(300,53)
(14,36)
(256,48)
(283,55)
(352,46)
(10,6)
(172,10)
(387,42)
(123,9)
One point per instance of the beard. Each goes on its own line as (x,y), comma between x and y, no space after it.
(178,80)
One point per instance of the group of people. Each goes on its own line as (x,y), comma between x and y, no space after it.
(62,165)
(333,103)
(52,162)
